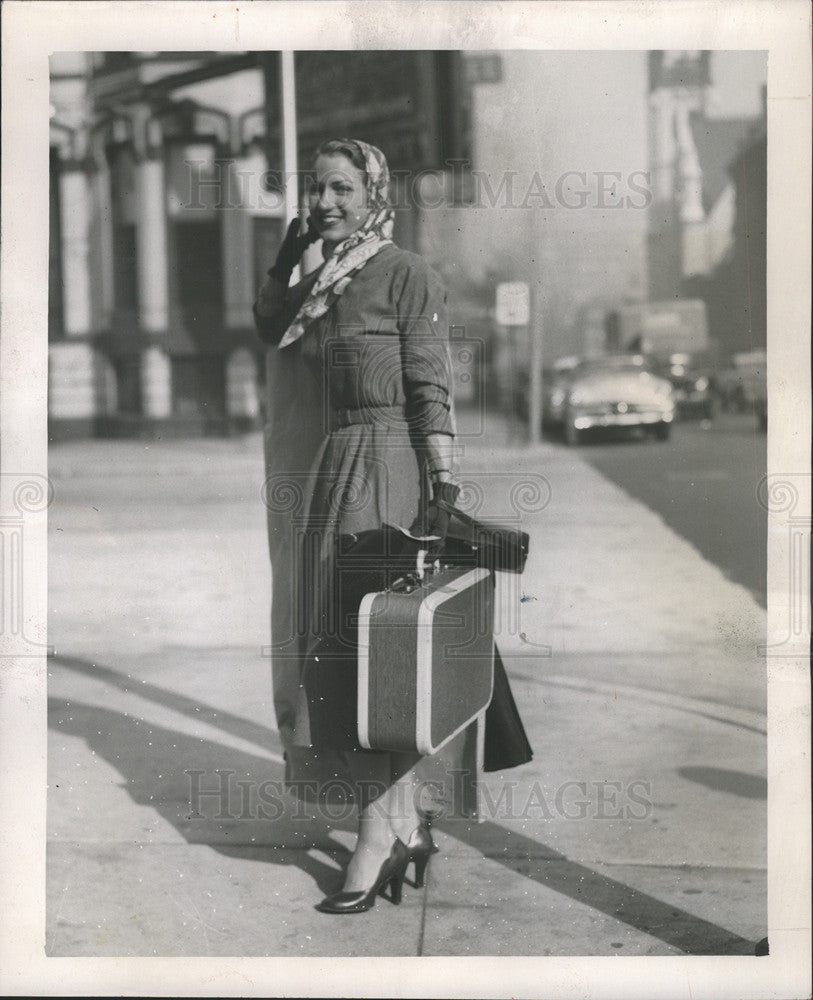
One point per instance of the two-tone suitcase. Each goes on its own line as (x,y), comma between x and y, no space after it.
(425,658)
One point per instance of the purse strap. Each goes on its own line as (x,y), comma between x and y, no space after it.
(466,518)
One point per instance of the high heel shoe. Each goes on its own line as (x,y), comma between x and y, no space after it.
(391,873)
(420,846)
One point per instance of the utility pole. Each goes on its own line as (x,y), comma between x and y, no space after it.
(289,151)
(289,159)
(536,331)
(512,311)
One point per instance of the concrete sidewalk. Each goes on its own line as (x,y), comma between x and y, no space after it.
(638,828)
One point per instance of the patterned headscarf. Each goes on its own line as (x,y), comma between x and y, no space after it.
(350,256)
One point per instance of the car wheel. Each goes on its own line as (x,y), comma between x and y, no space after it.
(662,431)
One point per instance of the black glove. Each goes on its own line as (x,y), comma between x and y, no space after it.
(435,519)
(293,246)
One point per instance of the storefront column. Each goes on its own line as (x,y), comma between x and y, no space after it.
(156,384)
(72,386)
(71,362)
(152,266)
(152,261)
(74,204)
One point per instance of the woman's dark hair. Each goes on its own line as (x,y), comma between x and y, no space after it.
(342,147)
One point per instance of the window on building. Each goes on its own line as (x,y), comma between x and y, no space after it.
(123,210)
(198,262)
(198,277)
(195,238)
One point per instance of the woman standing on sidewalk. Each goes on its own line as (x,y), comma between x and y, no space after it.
(361,346)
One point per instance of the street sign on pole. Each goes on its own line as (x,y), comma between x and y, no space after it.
(535,381)
(513,305)
(513,310)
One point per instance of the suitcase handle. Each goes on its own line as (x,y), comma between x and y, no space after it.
(423,567)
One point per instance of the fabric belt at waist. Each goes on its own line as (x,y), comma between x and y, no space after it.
(384,416)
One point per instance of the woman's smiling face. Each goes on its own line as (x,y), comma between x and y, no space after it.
(338,198)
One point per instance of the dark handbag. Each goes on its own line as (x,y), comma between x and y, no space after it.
(494,546)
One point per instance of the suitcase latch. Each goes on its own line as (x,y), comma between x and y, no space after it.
(405,584)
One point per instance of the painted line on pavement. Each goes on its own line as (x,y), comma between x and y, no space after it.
(160,717)
(231,730)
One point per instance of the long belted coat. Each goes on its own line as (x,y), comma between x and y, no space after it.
(348,404)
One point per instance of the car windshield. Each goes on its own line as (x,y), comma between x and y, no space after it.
(599,366)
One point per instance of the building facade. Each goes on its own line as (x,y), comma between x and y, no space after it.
(708,217)
(168,205)
(557,197)
(598,179)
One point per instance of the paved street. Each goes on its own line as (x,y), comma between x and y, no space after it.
(638,828)
(703,483)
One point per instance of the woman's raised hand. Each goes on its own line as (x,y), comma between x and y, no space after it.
(293,246)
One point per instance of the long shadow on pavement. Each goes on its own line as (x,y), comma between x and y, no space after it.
(156,763)
(545,866)
(234,725)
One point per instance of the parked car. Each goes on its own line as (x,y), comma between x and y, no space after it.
(743,387)
(754,366)
(692,383)
(614,391)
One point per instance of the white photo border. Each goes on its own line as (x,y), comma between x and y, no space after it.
(31,32)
